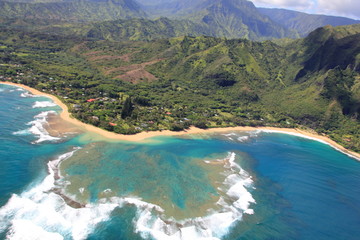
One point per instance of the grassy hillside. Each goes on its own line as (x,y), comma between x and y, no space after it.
(320,87)
(72,11)
(143,29)
(202,81)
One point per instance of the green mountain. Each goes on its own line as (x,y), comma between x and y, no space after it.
(130,20)
(328,48)
(170,8)
(202,81)
(234,18)
(304,23)
(226,18)
(320,84)
(242,15)
(72,11)
(144,29)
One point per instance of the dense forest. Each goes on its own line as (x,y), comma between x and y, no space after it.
(120,20)
(173,83)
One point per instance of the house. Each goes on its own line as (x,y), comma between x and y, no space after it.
(91,100)
(76,107)
(112,124)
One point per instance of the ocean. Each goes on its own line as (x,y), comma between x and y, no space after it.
(231,185)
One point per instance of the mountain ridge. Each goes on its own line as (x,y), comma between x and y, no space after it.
(76,11)
(218,18)
(304,23)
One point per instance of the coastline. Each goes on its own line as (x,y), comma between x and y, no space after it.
(66,116)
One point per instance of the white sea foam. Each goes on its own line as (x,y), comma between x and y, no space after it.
(22,132)
(107,190)
(37,128)
(29,230)
(230,136)
(254,133)
(151,222)
(233,136)
(54,164)
(28,95)
(48,217)
(43,104)
(243,138)
(41,214)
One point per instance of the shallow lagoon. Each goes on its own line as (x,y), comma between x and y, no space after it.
(253,185)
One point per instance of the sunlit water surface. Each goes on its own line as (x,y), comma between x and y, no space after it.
(253,185)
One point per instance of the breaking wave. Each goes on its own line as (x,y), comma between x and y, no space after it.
(37,128)
(240,137)
(41,214)
(234,202)
(27,94)
(243,138)
(46,215)
(24,132)
(43,104)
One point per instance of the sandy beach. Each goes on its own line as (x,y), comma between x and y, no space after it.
(66,116)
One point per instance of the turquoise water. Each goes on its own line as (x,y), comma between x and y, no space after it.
(256,185)
(20,160)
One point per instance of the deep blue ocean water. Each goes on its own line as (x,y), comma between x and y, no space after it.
(254,185)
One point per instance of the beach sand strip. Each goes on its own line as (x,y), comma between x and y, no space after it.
(66,116)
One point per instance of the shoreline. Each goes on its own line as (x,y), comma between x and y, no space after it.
(66,116)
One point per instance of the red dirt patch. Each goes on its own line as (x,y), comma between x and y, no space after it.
(136,76)
(127,57)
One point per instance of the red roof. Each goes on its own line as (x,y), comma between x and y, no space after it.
(112,124)
(91,100)
(168,113)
